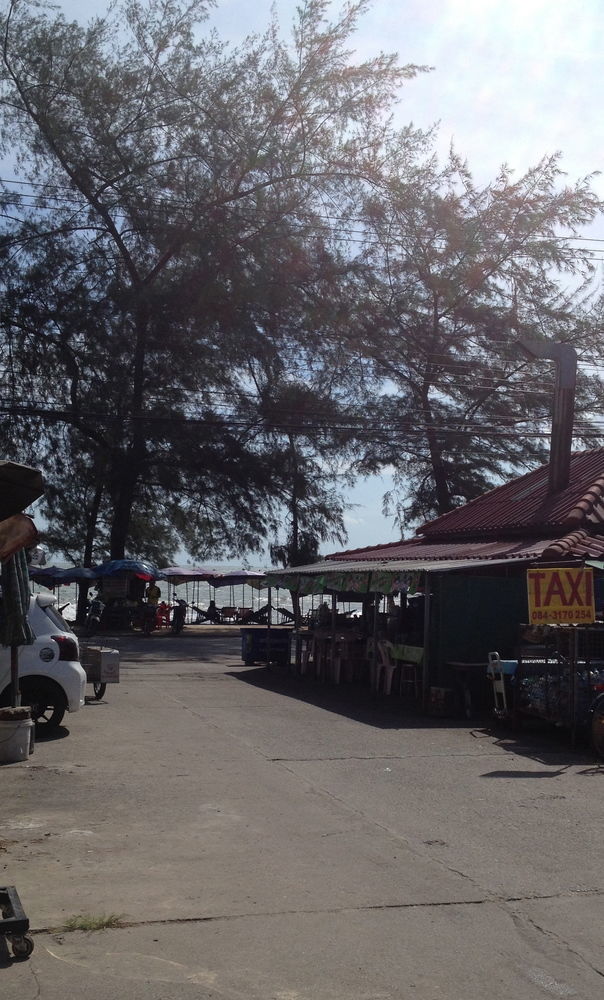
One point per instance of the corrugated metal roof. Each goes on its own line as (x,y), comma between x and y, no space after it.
(415,549)
(525,505)
(336,568)
(575,545)
(373,569)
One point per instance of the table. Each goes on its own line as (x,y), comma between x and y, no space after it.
(468,674)
(329,655)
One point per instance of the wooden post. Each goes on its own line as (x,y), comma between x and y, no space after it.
(426,658)
(268,626)
(14,677)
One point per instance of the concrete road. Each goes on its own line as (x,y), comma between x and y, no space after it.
(263,837)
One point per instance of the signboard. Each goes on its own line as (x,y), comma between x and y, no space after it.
(561,596)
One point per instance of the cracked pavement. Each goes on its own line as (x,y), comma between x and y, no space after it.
(264,837)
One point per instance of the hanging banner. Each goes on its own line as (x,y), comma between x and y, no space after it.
(560,596)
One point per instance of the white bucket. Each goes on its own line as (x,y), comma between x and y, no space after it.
(16,738)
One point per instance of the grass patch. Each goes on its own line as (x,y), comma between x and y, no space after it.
(93,921)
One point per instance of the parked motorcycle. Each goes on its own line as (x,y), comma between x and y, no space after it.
(144,617)
(179,613)
(94,616)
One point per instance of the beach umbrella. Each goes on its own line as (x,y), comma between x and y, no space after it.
(75,574)
(14,626)
(50,576)
(46,575)
(238,578)
(186,574)
(129,567)
(20,486)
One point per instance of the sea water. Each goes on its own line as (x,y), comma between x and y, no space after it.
(198,594)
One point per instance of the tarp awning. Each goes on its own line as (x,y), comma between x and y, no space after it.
(381,577)
(183,574)
(186,574)
(595,563)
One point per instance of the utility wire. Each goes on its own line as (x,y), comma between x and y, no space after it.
(344,234)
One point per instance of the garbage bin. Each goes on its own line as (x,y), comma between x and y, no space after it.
(264,645)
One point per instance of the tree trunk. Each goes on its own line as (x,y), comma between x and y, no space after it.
(123,499)
(132,464)
(441,485)
(442,493)
(91,523)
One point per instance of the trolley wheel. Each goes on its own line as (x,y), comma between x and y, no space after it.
(597,727)
(22,945)
(99,690)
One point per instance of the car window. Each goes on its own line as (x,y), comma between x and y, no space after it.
(57,620)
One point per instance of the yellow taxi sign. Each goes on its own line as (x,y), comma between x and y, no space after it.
(561,596)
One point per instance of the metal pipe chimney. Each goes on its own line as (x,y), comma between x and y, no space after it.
(563,410)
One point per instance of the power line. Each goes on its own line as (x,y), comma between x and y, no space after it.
(408,426)
(322,215)
(344,234)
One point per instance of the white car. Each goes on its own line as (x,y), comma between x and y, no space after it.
(51,677)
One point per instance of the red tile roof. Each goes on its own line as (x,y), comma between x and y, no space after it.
(416,548)
(524,505)
(575,545)
(519,520)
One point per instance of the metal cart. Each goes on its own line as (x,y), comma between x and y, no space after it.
(263,645)
(14,925)
(558,676)
(102,667)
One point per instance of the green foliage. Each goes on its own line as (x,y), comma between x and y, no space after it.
(168,254)
(455,274)
(229,285)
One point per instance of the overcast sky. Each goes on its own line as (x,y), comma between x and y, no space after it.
(513,80)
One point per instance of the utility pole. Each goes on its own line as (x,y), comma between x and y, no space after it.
(563,409)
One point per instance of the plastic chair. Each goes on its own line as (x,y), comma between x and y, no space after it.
(315,659)
(410,659)
(373,661)
(307,656)
(387,666)
(348,657)
(228,614)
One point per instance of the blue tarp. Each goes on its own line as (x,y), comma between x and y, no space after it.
(51,575)
(129,567)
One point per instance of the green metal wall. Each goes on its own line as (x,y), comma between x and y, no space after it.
(472,615)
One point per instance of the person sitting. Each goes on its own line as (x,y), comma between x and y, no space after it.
(259,617)
(324,614)
(163,615)
(153,593)
(212,614)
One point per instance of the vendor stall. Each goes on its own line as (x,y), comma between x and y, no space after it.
(558,676)
(122,588)
(415,618)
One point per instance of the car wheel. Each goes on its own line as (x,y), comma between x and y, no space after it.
(47,702)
